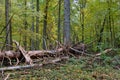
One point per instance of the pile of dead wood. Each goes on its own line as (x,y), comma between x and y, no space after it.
(28,56)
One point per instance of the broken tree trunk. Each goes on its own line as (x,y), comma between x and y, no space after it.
(24,53)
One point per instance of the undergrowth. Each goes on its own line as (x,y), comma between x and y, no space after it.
(104,67)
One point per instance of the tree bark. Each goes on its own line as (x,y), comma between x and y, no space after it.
(25,26)
(32,29)
(66,36)
(59,21)
(45,25)
(37,25)
(8,25)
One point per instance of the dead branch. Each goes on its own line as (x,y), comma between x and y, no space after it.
(105,51)
(6,24)
(6,78)
(42,52)
(76,50)
(33,65)
(26,56)
(80,52)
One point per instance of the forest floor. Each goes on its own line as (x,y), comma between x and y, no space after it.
(103,67)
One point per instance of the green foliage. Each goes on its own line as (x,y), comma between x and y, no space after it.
(73,69)
(91,14)
(95,11)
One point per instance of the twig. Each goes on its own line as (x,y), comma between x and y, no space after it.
(7,77)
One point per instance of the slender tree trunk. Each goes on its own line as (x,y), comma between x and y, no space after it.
(66,35)
(32,29)
(82,17)
(59,21)
(37,25)
(25,25)
(8,27)
(45,25)
(82,26)
(110,23)
(101,31)
(113,32)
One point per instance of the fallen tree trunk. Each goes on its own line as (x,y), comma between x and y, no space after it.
(37,53)
(34,65)
(29,54)
(42,52)
(26,54)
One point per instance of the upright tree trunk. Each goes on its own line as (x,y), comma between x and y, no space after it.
(66,35)
(82,26)
(110,23)
(113,32)
(37,25)
(8,27)
(59,21)
(32,29)
(82,17)
(25,26)
(45,25)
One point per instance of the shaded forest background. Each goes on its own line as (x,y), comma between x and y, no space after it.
(39,24)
